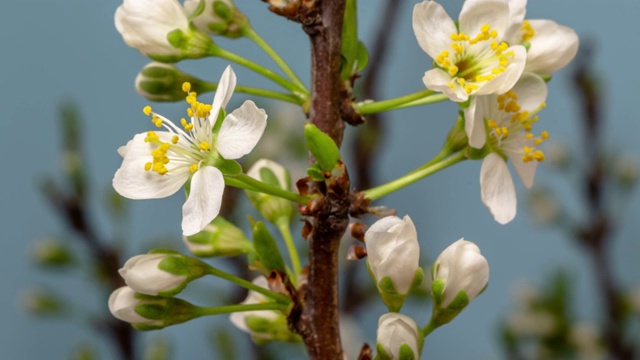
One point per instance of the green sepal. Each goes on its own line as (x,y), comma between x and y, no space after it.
(406,353)
(457,138)
(322,147)
(267,249)
(166,58)
(381,353)
(437,290)
(478,154)
(390,296)
(546,77)
(199,10)
(276,329)
(526,44)
(229,167)
(222,10)
(167,310)
(315,172)
(177,39)
(445,315)
(418,278)
(465,104)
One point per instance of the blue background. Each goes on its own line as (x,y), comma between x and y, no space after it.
(58,50)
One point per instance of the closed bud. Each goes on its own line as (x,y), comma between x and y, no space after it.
(163,82)
(459,274)
(52,253)
(160,29)
(263,325)
(219,238)
(398,337)
(147,312)
(161,273)
(625,171)
(219,17)
(41,302)
(393,255)
(273,208)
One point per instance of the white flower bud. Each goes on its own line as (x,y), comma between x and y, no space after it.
(273,208)
(219,238)
(122,303)
(219,17)
(460,268)
(160,29)
(163,82)
(263,325)
(398,337)
(393,253)
(160,274)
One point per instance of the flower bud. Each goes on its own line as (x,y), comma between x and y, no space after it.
(219,17)
(459,274)
(398,337)
(52,253)
(41,302)
(163,82)
(146,312)
(263,325)
(219,238)
(164,274)
(161,30)
(273,208)
(393,254)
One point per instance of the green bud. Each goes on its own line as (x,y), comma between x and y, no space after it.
(163,82)
(219,17)
(457,137)
(53,253)
(42,302)
(322,147)
(219,238)
(273,208)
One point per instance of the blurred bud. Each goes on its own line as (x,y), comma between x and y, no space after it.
(625,171)
(398,337)
(163,82)
(41,302)
(558,155)
(543,206)
(587,340)
(263,325)
(219,17)
(273,208)
(52,253)
(634,300)
(160,29)
(147,312)
(219,238)
(529,323)
(459,274)
(158,349)
(393,255)
(164,274)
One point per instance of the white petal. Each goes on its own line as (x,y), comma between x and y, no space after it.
(432,27)
(474,121)
(133,182)
(226,86)
(552,47)
(526,170)
(439,80)
(497,189)
(517,10)
(476,13)
(531,90)
(505,81)
(205,198)
(241,131)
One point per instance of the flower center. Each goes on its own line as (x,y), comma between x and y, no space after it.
(512,120)
(473,62)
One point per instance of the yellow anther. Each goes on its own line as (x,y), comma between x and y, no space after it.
(529,136)
(186,86)
(512,106)
(189,127)
(147,166)
(462,81)
(158,122)
(493,34)
(453,87)
(492,124)
(190,112)
(527,31)
(485,28)
(183,122)
(504,131)
(538,155)
(537,141)
(175,139)
(151,136)
(544,135)
(205,146)
(193,168)
(147,110)
(470,88)
(453,70)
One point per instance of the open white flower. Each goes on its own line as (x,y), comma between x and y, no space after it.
(509,119)
(550,46)
(159,29)
(157,163)
(472,58)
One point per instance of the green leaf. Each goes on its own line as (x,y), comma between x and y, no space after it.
(267,249)
(349,51)
(323,148)
(229,167)
(362,57)
(315,172)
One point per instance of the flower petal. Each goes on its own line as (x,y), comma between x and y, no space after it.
(474,120)
(505,81)
(517,10)
(531,90)
(241,131)
(205,198)
(497,189)
(552,47)
(439,80)
(432,27)
(133,182)
(476,13)
(226,86)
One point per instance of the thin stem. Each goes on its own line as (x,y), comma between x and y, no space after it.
(259,186)
(227,55)
(247,285)
(218,310)
(435,98)
(429,329)
(253,36)
(283,226)
(209,86)
(367,107)
(413,176)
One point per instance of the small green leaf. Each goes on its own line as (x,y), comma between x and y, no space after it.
(267,249)
(315,172)
(323,148)
(362,57)
(229,167)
